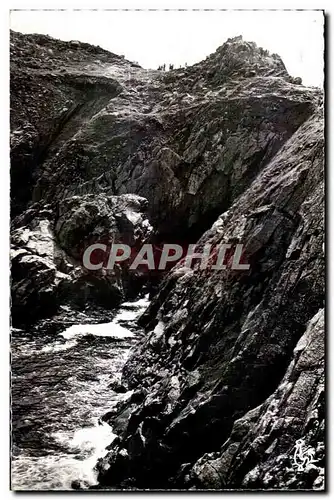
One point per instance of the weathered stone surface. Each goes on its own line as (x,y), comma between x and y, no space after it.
(47,253)
(219,344)
(262,450)
(229,376)
(102,124)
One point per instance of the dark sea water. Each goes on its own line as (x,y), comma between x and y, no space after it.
(61,377)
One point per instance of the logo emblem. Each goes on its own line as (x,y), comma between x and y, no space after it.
(303,456)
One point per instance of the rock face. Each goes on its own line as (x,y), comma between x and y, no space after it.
(231,371)
(47,254)
(102,124)
(262,450)
(228,382)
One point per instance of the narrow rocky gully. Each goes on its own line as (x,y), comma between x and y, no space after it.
(188,378)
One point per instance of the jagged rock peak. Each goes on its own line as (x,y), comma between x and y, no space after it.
(239,58)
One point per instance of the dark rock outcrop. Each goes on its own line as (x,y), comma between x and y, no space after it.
(47,254)
(220,343)
(102,124)
(262,447)
(228,382)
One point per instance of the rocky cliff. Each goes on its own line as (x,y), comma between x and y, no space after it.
(228,382)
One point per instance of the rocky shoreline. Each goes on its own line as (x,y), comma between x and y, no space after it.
(228,380)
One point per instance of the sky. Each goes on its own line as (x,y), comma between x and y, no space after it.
(152,38)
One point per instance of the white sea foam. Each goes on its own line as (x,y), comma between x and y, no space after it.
(99,330)
(111,329)
(57,346)
(58,471)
